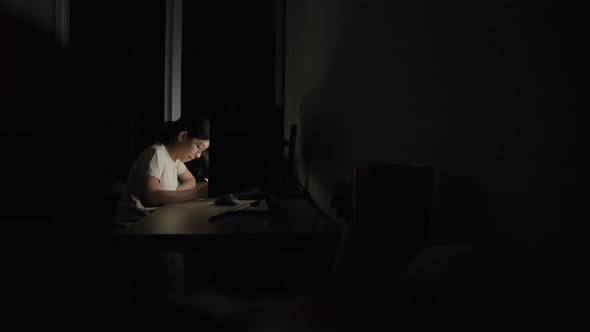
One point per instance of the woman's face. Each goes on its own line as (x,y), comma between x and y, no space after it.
(191,148)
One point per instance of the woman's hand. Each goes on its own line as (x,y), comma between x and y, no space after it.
(203,189)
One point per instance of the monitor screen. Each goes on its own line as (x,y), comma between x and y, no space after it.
(246,144)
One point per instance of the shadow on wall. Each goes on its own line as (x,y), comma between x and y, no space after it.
(486,93)
(398,91)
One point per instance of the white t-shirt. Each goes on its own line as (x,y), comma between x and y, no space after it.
(154,161)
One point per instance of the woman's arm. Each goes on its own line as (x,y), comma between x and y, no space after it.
(187,181)
(152,196)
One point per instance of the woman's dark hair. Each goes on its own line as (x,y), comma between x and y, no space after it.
(197,127)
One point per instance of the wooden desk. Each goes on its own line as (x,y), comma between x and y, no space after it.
(185,227)
(244,253)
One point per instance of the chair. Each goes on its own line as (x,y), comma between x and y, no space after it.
(113,193)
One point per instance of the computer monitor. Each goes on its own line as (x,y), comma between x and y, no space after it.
(246,149)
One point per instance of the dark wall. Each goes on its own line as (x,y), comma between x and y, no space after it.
(121,45)
(38,13)
(69,121)
(228,54)
(52,179)
(488,93)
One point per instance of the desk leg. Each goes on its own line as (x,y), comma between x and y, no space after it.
(175,279)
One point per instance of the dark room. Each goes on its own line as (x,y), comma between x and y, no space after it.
(294,165)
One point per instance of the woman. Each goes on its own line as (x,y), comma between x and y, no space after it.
(159,175)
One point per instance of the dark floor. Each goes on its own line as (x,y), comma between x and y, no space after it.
(152,289)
